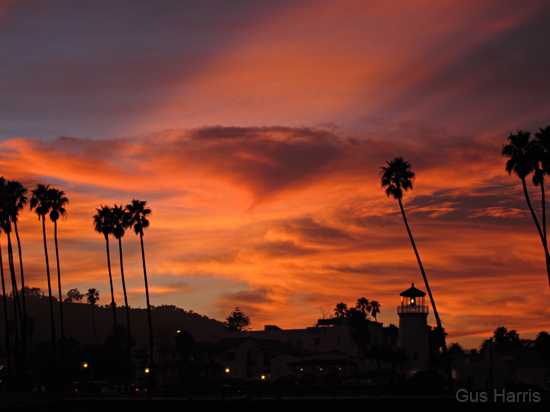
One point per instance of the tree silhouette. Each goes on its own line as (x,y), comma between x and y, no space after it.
(397,177)
(524,158)
(121,222)
(6,320)
(104,223)
(364,306)
(340,310)
(375,308)
(237,321)
(74,295)
(92,296)
(58,201)
(138,220)
(15,198)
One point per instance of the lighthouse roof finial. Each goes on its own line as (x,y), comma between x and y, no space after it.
(413,292)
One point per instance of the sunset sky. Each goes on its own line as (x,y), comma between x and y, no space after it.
(256,132)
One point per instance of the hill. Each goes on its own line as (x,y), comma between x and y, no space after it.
(78,322)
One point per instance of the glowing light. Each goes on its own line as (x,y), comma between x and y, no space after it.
(226,370)
(263,377)
(146,370)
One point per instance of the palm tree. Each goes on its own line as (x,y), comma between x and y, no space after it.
(121,222)
(5,224)
(16,199)
(397,177)
(138,220)
(540,150)
(41,202)
(92,296)
(58,200)
(375,308)
(6,320)
(104,224)
(341,310)
(523,161)
(364,306)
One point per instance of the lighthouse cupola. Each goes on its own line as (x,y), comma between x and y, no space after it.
(412,301)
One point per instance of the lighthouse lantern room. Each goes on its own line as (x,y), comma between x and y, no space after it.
(412,301)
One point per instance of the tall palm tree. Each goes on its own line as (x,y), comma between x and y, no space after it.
(121,222)
(92,296)
(41,203)
(6,320)
(523,160)
(58,201)
(540,150)
(104,224)
(138,220)
(16,198)
(397,177)
(6,226)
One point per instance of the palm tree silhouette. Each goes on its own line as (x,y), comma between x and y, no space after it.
(6,320)
(364,306)
(16,199)
(341,310)
(121,222)
(524,158)
(104,224)
(58,200)
(7,206)
(41,202)
(541,151)
(138,220)
(375,308)
(397,177)
(92,296)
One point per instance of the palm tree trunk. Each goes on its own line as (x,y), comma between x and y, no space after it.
(6,325)
(543,213)
(439,326)
(62,349)
(23,301)
(542,236)
(52,324)
(93,324)
(151,343)
(17,311)
(114,310)
(127,314)
(544,229)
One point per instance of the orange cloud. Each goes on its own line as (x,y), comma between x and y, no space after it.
(284,221)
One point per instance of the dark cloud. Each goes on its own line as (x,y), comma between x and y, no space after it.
(255,296)
(310,231)
(284,249)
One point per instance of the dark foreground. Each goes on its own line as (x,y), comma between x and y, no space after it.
(124,403)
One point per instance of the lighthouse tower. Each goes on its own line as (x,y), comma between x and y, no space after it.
(414,331)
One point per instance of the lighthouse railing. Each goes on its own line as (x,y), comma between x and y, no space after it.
(413,309)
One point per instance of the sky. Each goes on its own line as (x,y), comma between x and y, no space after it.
(256,132)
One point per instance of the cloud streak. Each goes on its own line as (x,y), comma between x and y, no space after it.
(276,212)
